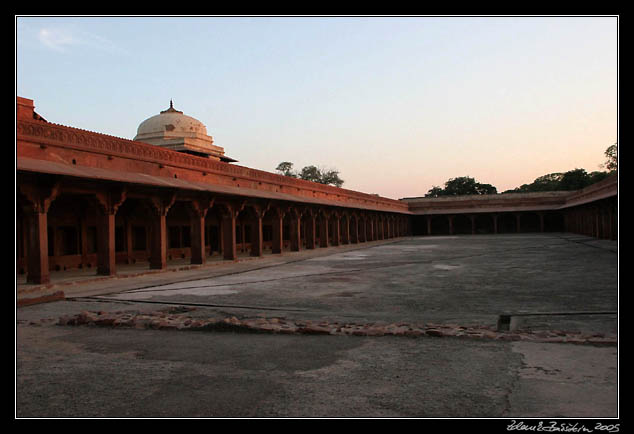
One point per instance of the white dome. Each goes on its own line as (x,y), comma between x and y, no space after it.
(171,129)
(171,124)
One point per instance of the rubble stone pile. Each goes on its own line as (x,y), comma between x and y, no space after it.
(179,319)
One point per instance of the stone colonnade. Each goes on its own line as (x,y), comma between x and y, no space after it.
(63,226)
(488,223)
(597,219)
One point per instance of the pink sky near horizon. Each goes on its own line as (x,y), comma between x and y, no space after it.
(396,104)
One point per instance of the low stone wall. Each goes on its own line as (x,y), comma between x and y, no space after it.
(178,319)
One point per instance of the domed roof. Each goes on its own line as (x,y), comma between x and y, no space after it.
(172,129)
(171,123)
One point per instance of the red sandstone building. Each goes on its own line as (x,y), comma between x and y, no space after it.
(89,200)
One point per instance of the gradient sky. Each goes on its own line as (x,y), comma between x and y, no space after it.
(396,104)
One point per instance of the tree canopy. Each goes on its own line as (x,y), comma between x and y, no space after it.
(286,168)
(572,180)
(611,155)
(575,179)
(311,173)
(463,185)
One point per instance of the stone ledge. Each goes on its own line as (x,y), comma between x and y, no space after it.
(39,297)
(177,319)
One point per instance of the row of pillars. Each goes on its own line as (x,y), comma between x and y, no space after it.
(494,217)
(347,226)
(598,222)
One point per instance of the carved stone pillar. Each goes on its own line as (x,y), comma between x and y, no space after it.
(323,229)
(336,228)
(257,234)
(160,206)
(385,232)
(311,230)
(370,228)
(277,218)
(345,228)
(229,213)
(518,221)
(37,260)
(197,212)
(108,203)
(105,244)
(362,229)
(354,229)
(229,247)
(295,229)
(39,197)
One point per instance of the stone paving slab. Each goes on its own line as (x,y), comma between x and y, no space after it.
(76,283)
(399,329)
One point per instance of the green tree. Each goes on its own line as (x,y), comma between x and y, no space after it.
(435,191)
(611,155)
(463,185)
(311,173)
(331,177)
(575,179)
(286,168)
(548,182)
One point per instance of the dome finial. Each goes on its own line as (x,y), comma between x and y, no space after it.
(171,109)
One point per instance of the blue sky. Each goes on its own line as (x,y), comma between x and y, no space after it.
(396,104)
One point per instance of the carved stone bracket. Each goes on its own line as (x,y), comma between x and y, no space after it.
(161,204)
(259,208)
(198,208)
(297,211)
(39,197)
(278,210)
(109,201)
(325,213)
(231,209)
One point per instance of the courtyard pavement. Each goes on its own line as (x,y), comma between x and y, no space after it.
(396,328)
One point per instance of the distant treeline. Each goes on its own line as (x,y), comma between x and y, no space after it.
(572,180)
